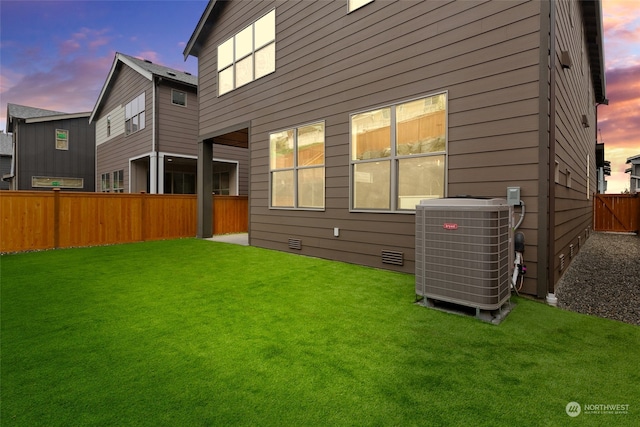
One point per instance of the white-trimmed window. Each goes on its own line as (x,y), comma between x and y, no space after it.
(134,115)
(296,159)
(178,97)
(357,4)
(105,182)
(62,139)
(118,181)
(248,55)
(398,155)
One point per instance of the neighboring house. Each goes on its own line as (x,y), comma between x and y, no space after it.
(634,171)
(354,111)
(51,149)
(146,121)
(6,156)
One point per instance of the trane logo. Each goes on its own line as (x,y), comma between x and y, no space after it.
(450,226)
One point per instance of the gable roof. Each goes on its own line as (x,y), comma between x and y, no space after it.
(145,68)
(15,111)
(634,160)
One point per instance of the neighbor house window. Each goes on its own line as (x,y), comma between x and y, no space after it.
(178,97)
(105,182)
(56,182)
(221,181)
(134,115)
(356,4)
(62,139)
(179,183)
(118,181)
(248,55)
(296,159)
(398,154)
(108,125)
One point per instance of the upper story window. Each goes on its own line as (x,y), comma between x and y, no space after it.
(109,125)
(62,139)
(296,159)
(134,115)
(248,55)
(356,4)
(178,97)
(398,155)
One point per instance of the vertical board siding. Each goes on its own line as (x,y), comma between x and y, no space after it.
(33,220)
(330,64)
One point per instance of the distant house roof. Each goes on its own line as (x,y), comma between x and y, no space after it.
(634,160)
(147,69)
(15,111)
(6,144)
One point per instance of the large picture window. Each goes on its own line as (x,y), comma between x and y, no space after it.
(296,158)
(398,155)
(248,55)
(134,113)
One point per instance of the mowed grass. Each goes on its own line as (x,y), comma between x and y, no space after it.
(193,333)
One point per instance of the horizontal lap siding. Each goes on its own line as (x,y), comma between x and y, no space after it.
(330,64)
(177,124)
(114,154)
(574,142)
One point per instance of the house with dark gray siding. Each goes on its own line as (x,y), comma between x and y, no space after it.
(51,149)
(353,111)
(146,119)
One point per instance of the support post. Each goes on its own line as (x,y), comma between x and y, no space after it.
(205,189)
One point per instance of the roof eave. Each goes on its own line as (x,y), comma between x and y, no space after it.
(592,14)
(58,117)
(193,46)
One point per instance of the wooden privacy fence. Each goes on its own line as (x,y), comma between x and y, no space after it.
(31,220)
(616,212)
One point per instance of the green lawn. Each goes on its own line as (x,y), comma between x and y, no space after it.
(191,332)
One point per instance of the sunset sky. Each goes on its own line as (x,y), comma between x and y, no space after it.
(56,55)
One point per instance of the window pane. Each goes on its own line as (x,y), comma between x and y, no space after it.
(420,126)
(372,183)
(419,178)
(311,145)
(141,120)
(265,29)
(266,60)
(225,81)
(127,111)
(281,149)
(371,135)
(244,42)
(244,71)
(225,54)
(134,124)
(282,188)
(311,188)
(355,4)
(141,102)
(178,97)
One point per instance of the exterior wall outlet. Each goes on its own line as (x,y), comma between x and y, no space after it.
(336,232)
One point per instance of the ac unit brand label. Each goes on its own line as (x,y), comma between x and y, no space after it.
(450,226)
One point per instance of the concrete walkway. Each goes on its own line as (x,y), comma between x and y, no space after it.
(236,239)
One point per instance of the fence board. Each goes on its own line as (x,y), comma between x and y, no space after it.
(616,212)
(33,220)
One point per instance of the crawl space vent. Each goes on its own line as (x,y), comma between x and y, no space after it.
(295,244)
(392,257)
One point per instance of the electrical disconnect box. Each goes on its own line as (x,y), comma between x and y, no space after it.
(513,196)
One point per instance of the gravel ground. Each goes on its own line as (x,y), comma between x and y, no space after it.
(604,278)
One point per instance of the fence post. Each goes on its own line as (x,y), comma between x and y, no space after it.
(56,218)
(143,209)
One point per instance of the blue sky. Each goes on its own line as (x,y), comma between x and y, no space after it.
(57,54)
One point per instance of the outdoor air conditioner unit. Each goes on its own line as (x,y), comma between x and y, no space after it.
(462,252)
